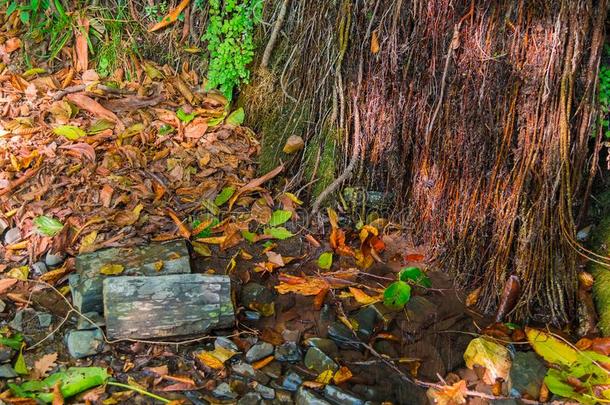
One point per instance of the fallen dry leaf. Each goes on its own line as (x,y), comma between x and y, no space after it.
(450,394)
(171,17)
(43,365)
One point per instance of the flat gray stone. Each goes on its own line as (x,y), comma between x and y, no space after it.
(11,236)
(54,259)
(166,306)
(318,361)
(341,397)
(259,351)
(307,397)
(224,391)
(83,343)
(527,374)
(155,259)
(251,398)
(288,352)
(7,371)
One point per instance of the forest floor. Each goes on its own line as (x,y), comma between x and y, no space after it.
(344,311)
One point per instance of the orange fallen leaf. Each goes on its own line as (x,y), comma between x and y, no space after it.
(43,365)
(171,17)
(81,39)
(183,229)
(363,298)
(450,394)
(12,44)
(342,375)
(87,103)
(262,363)
(7,283)
(414,257)
(310,286)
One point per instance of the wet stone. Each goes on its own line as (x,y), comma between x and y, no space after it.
(343,336)
(307,397)
(2,306)
(11,236)
(282,397)
(258,298)
(39,268)
(288,352)
(292,381)
(31,321)
(291,335)
(83,343)
(246,370)
(273,369)
(259,351)
(7,371)
(318,361)
(53,259)
(226,343)
(527,374)
(387,348)
(341,397)
(326,345)
(266,392)
(252,315)
(251,398)
(224,391)
(6,353)
(83,324)
(365,318)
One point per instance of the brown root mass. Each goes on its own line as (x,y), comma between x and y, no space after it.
(476,114)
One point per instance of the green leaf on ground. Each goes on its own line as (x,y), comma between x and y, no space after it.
(279,232)
(224,195)
(14,342)
(550,348)
(237,117)
(396,295)
(20,367)
(48,226)
(414,275)
(249,236)
(325,261)
(279,217)
(69,132)
(184,117)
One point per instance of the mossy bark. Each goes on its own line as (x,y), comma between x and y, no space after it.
(601,273)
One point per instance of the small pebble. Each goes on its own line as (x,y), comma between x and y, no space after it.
(53,259)
(11,236)
(259,351)
(39,268)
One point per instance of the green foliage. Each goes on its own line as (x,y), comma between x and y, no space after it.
(48,226)
(604,98)
(45,20)
(184,117)
(325,261)
(279,217)
(230,42)
(396,295)
(414,275)
(224,195)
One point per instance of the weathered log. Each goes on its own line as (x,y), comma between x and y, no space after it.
(166,306)
(150,260)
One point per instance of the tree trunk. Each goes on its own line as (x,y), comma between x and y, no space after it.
(479,113)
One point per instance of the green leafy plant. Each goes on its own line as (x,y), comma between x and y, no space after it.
(48,226)
(414,275)
(230,42)
(398,294)
(325,261)
(604,98)
(46,20)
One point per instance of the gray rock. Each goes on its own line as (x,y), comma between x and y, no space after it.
(288,352)
(343,336)
(318,361)
(251,398)
(246,370)
(83,324)
(225,343)
(292,381)
(273,369)
(2,306)
(258,298)
(307,397)
(266,392)
(6,353)
(283,398)
(11,236)
(326,345)
(44,319)
(224,391)
(7,371)
(291,335)
(54,259)
(259,351)
(340,397)
(39,268)
(83,343)
(252,315)
(527,374)
(365,319)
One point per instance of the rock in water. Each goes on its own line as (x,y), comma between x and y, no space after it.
(165,306)
(152,260)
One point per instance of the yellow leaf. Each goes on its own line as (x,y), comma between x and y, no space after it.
(213,240)
(210,360)
(19,273)
(308,286)
(494,357)
(342,375)
(88,243)
(111,269)
(363,298)
(450,394)
(325,377)
(293,198)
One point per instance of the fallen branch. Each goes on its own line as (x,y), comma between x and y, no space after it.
(28,174)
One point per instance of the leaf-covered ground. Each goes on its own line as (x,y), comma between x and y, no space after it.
(347,312)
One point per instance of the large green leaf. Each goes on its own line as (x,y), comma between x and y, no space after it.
(551,349)
(279,217)
(325,261)
(224,195)
(48,226)
(415,275)
(396,295)
(69,132)
(279,232)
(237,117)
